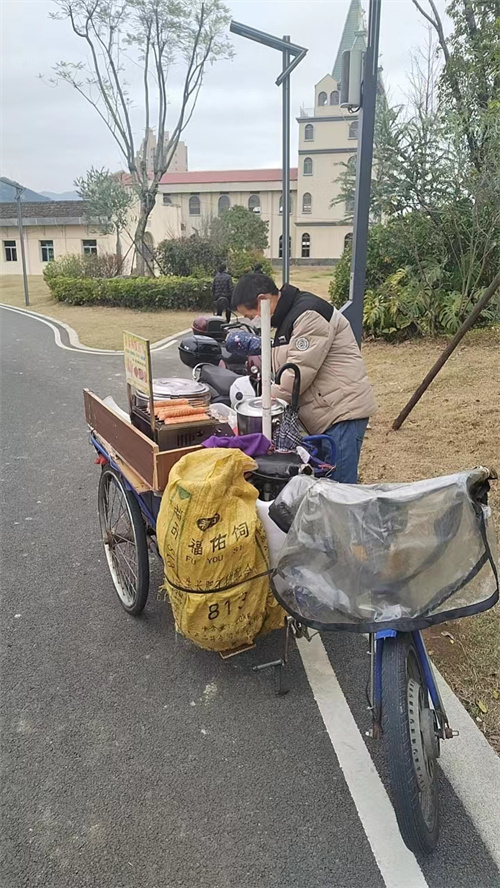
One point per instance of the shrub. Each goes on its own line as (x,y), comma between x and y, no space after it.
(185,256)
(139,293)
(412,283)
(104,265)
(242,261)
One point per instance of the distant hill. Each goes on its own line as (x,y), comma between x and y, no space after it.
(8,195)
(63,195)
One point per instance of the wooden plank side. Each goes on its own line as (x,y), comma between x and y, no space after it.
(135,448)
(135,480)
(165,460)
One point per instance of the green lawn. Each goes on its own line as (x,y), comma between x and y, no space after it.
(97,326)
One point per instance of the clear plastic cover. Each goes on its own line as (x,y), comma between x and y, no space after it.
(369,556)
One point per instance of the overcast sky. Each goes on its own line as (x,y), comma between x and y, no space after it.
(50,135)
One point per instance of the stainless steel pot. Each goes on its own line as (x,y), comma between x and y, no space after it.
(176,387)
(249,415)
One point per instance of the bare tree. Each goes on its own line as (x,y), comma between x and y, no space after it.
(149,37)
(425,71)
(471,72)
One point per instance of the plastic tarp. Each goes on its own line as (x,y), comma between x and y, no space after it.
(404,556)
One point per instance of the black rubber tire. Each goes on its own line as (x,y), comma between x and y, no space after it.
(399,664)
(141,587)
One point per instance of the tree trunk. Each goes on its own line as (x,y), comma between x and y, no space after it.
(144,265)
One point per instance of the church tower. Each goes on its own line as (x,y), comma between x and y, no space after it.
(328,138)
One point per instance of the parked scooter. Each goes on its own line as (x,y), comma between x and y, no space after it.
(226,387)
(240,342)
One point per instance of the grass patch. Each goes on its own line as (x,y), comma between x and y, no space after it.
(102,326)
(314,278)
(97,326)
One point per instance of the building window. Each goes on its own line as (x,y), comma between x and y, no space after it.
(308,166)
(281,205)
(224,203)
(306,203)
(10,250)
(334,97)
(348,240)
(349,205)
(194,205)
(306,246)
(280,247)
(47,250)
(351,163)
(353,129)
(322,99)
(89,247)
(309,133)
(254,203)
(167,200)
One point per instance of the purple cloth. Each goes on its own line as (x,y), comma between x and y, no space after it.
(252,445)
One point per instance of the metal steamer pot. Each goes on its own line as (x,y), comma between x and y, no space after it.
(175,387)
(249,415)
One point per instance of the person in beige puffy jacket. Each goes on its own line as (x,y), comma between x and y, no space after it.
(336,397)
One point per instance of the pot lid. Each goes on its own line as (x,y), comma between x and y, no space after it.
(253,407)
(177,387)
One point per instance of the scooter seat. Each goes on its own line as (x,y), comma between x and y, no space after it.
(218,378)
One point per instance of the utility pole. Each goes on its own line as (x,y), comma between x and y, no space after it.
(292,55)
(286,166)
(19,191)
(353,309)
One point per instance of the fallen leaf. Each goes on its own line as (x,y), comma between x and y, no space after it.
(482,706)
(448,635)
(496,695)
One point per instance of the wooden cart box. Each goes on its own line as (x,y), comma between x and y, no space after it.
(144,465)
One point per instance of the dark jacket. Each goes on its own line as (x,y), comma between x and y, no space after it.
(319,340)
(222,285)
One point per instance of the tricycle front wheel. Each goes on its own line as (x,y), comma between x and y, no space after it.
(124,538)
(411,744)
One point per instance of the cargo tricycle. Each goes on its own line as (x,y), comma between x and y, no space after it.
(343,567)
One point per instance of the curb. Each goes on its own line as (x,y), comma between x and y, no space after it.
(73,338)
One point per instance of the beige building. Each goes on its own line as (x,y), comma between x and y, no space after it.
(328,138)
(188,200)
(179,162)
(51,229)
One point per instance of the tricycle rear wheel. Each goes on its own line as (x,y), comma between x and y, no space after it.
(124,539)
(411,744)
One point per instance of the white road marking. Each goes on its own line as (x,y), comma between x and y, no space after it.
(396,863)
(75,344)
(473,769)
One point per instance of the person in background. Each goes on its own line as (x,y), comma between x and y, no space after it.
(336,397)
(222,285)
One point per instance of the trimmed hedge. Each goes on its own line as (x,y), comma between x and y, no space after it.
(139,293)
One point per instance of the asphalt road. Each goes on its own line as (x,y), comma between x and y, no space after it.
(130,758)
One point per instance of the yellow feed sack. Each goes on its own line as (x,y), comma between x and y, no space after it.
(210,538)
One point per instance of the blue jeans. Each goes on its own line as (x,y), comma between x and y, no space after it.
(348,438)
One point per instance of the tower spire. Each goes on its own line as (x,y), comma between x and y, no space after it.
(353,24)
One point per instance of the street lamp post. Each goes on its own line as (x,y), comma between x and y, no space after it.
(292,55)
(19,190)
(353,309)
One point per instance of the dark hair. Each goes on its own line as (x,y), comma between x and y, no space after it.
(249,287)
(222,268)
